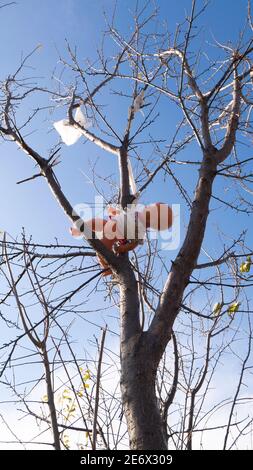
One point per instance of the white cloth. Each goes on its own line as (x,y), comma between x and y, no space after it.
(68,133)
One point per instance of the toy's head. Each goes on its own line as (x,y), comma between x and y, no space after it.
(113,211)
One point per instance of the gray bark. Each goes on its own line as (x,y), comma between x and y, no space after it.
(138,374)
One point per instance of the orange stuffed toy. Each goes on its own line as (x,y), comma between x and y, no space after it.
(125,230)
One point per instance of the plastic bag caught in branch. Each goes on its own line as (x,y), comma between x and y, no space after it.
(139,102)
(131,178)
(68,133)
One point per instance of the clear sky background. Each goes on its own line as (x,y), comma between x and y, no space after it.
(32,22)
(49,23)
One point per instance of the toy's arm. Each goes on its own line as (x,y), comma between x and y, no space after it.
(127,247)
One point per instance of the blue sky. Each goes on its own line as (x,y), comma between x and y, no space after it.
(32,22)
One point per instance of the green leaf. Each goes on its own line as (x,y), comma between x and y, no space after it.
(245,266)
(233,308)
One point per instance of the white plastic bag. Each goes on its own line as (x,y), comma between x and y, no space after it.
(81,119)
(131,178)
(68,133)
(139,102)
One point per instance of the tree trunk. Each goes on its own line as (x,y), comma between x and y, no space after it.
(141,352)
(138,374)
(138,370)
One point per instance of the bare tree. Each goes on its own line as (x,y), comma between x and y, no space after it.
(216,104)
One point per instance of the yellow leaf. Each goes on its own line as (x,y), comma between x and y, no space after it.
(66,440)
(66,394)
(217,309)
(233,308)
(245,266)
(86,376)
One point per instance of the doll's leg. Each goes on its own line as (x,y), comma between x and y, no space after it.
(157,216)
(104,265)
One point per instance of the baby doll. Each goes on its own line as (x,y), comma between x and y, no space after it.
(125,230)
